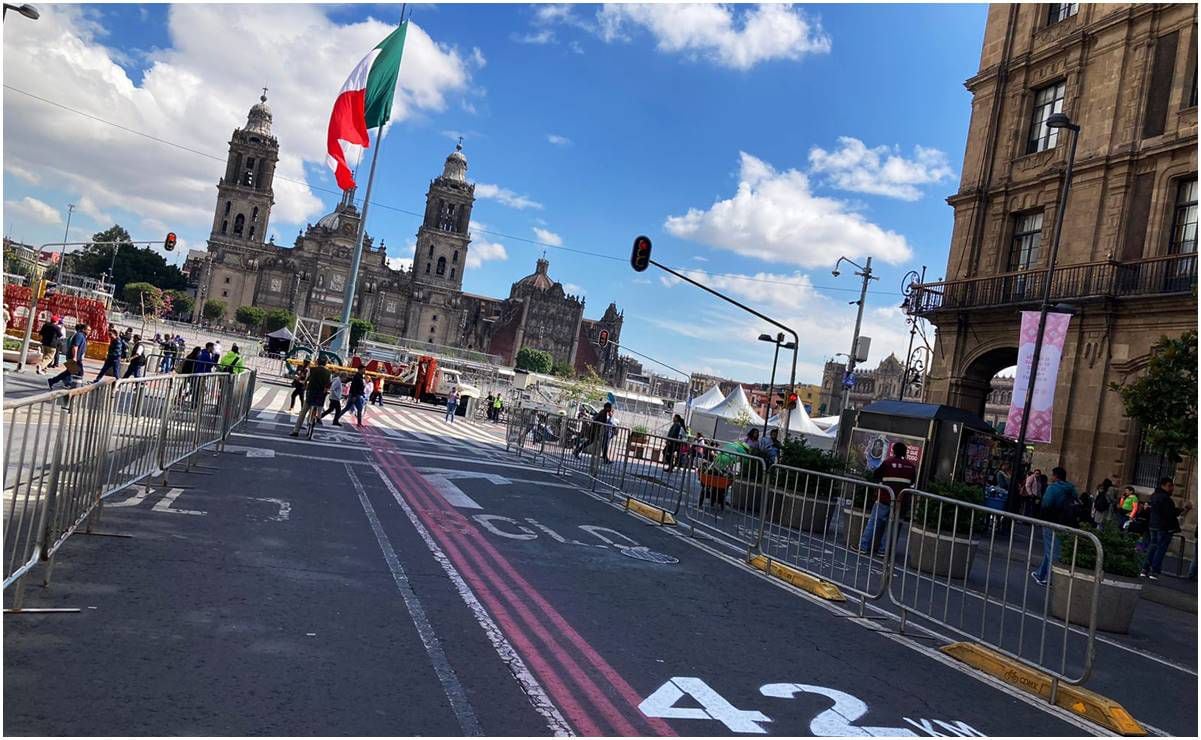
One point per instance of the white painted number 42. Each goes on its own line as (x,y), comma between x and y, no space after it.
(837,721)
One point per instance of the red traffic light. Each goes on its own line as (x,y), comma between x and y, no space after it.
(640,257)
(792,401)
(169,242)
(603,338)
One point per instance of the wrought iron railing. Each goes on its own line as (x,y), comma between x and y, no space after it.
(1094,280)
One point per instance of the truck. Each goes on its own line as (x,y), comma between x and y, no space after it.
(425,381)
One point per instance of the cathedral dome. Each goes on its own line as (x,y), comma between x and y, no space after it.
(456,165)
(259,119)
(539,280)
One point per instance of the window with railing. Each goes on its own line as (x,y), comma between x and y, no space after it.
(1150,465)
(1057,12)
(1047,100)
(1027,234)
(1183,239)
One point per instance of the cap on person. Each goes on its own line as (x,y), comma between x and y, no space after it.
(899,449)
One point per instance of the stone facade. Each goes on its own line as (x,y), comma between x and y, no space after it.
(425,302)
(883,382)
(1127,75)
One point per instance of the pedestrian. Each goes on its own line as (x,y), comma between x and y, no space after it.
(377,390)
(76,350)
(231,361)
(897,472)
(315,388)
(452,405)
(112,360)
(357,397)
(299,379)
(216,350)
(488,407)
(1032,493)
(1103,502)
(769,446)
(1058,507)
(335,400)
(187,366)
(60,347)
(671,451)
(8,316)
(50,333)
(1128,504)
(206,360)
(595,430)
(137,362)
(1164,522)
(497,406)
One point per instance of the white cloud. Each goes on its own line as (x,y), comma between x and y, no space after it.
(775,217)
(477,58)
(88,207)
(880,170)
(573,289)
(400,263)
(541,37)
(722,34)
(21,173)
(546,236)
(504,196)
(483,250)
(32,209)
(699,258)
(558,140)
(194,94)
(552,13)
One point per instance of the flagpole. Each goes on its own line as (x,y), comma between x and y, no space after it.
(353,279)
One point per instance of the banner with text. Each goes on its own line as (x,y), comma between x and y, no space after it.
(1038,429)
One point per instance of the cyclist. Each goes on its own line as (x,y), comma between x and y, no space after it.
(315,390)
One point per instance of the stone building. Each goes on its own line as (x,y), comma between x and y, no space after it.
(425,303)
(1127,75)
(883,382)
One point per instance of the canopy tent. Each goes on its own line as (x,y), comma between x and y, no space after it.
(826,422)
(799,422)
(282,333)
(708,399)
(735,406)
(719,421)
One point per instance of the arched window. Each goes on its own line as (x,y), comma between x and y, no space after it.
(228,203)
(224,226)
(427,268)
(431,254)
(251,234)
(248,176)
(452,273)
(254,216)
(441,266)
(455,257)
(239,224)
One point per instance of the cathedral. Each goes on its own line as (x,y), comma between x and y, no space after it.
(425,303)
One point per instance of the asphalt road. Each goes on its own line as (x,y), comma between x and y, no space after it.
(410,578)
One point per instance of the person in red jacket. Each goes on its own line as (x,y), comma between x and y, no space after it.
(897,473)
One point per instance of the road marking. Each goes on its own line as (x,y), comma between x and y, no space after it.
(486,521)
(285,508)
(251,451)
(452,493)
(533,690)
(139,497)
(429,638)
(164,504)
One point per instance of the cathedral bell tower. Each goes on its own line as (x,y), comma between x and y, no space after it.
(244,194)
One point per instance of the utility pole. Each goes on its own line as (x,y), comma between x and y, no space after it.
(865,272)
(62,252)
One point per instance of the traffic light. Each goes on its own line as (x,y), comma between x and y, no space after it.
(640,257)
(792,401)
(603,338)
(39,289)
(169,242)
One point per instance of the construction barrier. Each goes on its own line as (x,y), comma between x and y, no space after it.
(67,450)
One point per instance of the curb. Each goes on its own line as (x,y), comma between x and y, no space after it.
(654,513)
(800,579)
(1092,706)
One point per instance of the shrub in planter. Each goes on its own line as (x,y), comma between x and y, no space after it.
(941,539)
(1120,587)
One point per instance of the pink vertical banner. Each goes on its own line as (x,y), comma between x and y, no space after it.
(1038,429)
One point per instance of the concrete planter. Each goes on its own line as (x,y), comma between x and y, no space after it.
(808,513)
(856,520)
(745,496)
(1115,604)
(939,553)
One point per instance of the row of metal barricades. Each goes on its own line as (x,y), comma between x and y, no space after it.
(67,451)
(936,563)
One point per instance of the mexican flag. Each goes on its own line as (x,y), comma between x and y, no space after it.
(365,102)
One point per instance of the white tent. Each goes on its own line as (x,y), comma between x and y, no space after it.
(798,421)
(719,421)
(825,422)
(708,399)
(281,333)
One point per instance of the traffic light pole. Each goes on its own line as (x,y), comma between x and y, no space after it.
(795,339)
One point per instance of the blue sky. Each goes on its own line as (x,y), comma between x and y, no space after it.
(753,144)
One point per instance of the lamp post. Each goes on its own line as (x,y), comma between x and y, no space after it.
(865,272)
(62,252)
(27,10)
(1056,121)
(777,340)
(908,283)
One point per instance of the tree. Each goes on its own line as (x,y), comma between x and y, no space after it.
(213,309)
(534,360)
(130,265)
(181,304)
(141,296)
(584,388)
(562,370)
(1164,398)
(278,318)
(359,328)
(250,316)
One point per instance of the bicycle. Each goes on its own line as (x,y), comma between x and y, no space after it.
(314,415)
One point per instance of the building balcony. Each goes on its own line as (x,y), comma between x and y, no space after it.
(1093,281)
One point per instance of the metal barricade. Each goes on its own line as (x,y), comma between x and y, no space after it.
(823,525)
(968,569)
(140,407)
(595,451)
(723,492)
(654,470)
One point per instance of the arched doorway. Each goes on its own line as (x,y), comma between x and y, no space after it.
(970,391)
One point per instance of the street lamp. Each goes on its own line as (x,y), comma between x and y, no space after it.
(865,272)
(909,285)
(27,10)
(1056,121)
(777,340)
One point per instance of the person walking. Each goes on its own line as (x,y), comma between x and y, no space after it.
(231,361)
(358,395)
(1059,507)
(1128,504)
(1164,522)
(452,405)
(1103,502)
(49,334)
(1032,492)
(897,473)
(137,358)
(112,360)
(60,347)
(335,400)
(76,350)
(299,379)
(206,360)
(315,388)
(216,350)
(377,391)
(488,407)
(675,433)
(497,406)
(769,446)
(596,429)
